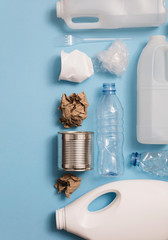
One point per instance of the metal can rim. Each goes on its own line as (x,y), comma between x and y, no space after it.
(75,132)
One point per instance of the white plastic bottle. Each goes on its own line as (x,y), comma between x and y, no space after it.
(152,92)
(139,212)
(112,13)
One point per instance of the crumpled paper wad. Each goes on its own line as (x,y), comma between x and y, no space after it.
(68,183)
(75,66)
(74,109)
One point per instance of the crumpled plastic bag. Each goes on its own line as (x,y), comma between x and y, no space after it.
(68,183)
(75,66)
(74,109)
(114,60)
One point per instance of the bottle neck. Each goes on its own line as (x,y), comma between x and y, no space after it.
(109,89)
(60,219)
(135,159)
(59,9)
(111,92)
(157,39)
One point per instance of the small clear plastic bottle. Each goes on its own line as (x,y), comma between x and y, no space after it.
(155,163)
(110,135)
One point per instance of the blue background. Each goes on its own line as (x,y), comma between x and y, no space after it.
(29,96)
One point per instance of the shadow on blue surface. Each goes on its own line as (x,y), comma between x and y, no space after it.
(55,68)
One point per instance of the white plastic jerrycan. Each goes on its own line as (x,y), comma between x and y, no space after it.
(152,91)
(139,212)
(112,13)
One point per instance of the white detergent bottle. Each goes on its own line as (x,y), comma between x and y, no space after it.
(152,92)
(139,212)
(112,13)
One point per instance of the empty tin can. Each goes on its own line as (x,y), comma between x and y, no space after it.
(75,151)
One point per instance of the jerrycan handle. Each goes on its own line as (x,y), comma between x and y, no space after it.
(159,71)
(83,25)
(93,195)
(81,14)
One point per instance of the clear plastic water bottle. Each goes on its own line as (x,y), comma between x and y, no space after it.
(110,135)
(151,162)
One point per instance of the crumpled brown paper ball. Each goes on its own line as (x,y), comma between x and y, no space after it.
(68,183)
(74,109)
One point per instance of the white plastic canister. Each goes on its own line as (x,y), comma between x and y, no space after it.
(112,13)
(152,92)
(139,212)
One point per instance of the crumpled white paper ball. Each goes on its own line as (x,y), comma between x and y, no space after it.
(75,66)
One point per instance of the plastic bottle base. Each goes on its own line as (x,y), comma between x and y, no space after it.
(110,174)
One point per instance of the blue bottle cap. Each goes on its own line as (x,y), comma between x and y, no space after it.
(135,158)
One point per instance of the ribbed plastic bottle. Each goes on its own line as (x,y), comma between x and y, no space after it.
(110,135)
(155,163)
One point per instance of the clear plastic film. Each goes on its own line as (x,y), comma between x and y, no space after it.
(114,60)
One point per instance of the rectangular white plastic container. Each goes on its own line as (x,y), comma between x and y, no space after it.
(152,93)
(112,13)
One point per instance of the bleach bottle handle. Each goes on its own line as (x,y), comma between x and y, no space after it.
(117,198)
(81,13)
(88,198)
(159,66)
(83,25)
